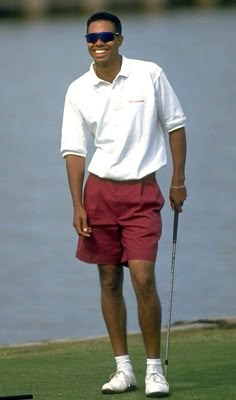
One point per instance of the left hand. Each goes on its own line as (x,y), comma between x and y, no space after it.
(177,196)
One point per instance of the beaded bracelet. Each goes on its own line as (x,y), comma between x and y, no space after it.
(177,187)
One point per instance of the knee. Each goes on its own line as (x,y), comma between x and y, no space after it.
(111,279)
(145,286)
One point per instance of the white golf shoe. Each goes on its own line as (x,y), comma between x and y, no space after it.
(156,385)
(121,381)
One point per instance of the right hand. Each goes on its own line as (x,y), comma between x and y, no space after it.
(177,198)
(80,222)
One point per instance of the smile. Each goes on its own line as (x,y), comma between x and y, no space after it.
(99,51)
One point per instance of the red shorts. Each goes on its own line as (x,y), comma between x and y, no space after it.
(125,220)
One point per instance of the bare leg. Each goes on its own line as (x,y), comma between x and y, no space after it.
(149,308)
(113,306)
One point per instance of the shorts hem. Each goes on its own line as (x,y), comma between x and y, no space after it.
(102,260)
(98,260)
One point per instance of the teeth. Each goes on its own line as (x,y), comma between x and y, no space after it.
(100,51)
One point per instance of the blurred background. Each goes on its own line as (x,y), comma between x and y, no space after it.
(36,8)
(45,293)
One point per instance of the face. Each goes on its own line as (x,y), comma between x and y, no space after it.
(104,53)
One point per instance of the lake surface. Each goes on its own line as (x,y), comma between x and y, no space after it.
(45,293)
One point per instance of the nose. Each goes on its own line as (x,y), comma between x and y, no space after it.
(99,41)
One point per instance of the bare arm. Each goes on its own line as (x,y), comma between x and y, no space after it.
(75,166)
(178,148)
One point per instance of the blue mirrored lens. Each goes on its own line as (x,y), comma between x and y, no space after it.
(103,36)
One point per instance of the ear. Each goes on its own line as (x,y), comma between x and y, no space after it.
(120,40)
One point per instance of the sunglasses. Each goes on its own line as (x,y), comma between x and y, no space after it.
(103,36)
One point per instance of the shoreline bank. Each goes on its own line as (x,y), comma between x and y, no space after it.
(32,9)
(211,323)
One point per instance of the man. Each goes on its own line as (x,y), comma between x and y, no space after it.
(129,107)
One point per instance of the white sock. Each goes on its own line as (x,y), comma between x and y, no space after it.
(123,362)
(153,365)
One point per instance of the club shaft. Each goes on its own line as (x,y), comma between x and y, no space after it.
(17,397)
(175,230)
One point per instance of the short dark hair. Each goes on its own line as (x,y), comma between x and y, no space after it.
(106,16)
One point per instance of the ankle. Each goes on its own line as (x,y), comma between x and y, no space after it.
(123,363)
(153,366)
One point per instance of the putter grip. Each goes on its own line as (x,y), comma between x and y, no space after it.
(17,397)
(176,217)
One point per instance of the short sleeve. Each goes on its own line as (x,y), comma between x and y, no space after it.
(170,111)
(75,133)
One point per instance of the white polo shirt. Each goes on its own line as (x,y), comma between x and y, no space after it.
(128,118)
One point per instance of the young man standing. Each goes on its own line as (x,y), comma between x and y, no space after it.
(129,107)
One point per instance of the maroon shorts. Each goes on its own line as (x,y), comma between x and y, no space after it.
(125,220)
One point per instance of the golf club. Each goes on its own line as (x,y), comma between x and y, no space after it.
(17,397)
(175,229)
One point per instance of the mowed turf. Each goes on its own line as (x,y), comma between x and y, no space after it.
(202,365)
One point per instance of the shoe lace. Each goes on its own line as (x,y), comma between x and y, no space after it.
(157,377)
(121,373)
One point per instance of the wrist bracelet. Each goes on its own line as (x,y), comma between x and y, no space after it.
(178,187)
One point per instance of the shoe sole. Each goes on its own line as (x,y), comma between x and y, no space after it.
(110,391)
(157,395)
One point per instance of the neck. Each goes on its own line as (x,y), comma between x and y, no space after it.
(108,72)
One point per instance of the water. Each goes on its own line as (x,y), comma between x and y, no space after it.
(45,293)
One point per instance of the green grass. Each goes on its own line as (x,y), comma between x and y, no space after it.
(202,365)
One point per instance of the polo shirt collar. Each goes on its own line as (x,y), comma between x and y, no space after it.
(124,71)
